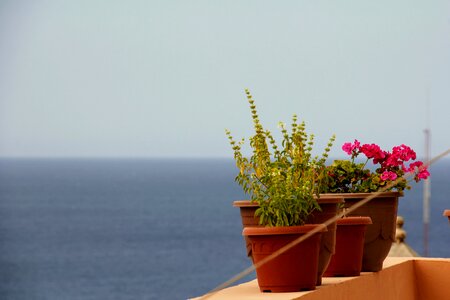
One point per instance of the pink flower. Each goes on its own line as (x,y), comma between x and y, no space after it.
(417,164)
(404,152)
(422,171)
(351,149)
(381,157)
(373,151)
(388,175)
(424,174)
(347,147)
(399,155)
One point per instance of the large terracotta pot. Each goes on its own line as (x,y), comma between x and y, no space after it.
(381,234)
(291,271)
(329,209)
(347,259)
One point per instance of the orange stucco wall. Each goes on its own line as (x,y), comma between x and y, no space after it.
(432,279)
(401,278)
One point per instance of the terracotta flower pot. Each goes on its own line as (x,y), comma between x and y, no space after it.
(347,260)
(381,234)
(329,206)
(247,210)
(291,271)
(447,213)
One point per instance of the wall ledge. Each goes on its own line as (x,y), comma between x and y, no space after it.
(406,278)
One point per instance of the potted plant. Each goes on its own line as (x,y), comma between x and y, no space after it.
(284,183)
(329,207)
(354,181)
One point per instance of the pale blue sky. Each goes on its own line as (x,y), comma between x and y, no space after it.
(165,78)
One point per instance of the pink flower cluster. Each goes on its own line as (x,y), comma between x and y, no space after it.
(392,164)
(419,169)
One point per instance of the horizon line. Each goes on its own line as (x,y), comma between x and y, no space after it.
(130,157)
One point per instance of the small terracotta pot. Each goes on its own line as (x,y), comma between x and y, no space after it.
(447,213)
(329,206)
(347,260)
(381,234)
(247,210)
(329,209)
(291,271)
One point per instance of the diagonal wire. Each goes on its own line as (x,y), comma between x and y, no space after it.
(292,244)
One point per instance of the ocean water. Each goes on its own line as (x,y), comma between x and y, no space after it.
(142,229)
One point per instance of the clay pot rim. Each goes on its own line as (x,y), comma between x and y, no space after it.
(244,203)
(354,220)
(362,195)
(324,198)
(281,230)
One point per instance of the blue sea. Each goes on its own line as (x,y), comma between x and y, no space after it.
(143,229)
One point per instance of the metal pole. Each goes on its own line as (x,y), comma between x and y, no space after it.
(426,196)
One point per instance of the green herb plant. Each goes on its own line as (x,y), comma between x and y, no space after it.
(283,181)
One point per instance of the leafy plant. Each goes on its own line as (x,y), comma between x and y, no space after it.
(347,176)
(282,180)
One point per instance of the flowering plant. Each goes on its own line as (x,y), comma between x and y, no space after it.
(349,176)
(282,180)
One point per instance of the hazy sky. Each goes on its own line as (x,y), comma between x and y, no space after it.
(165,78)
